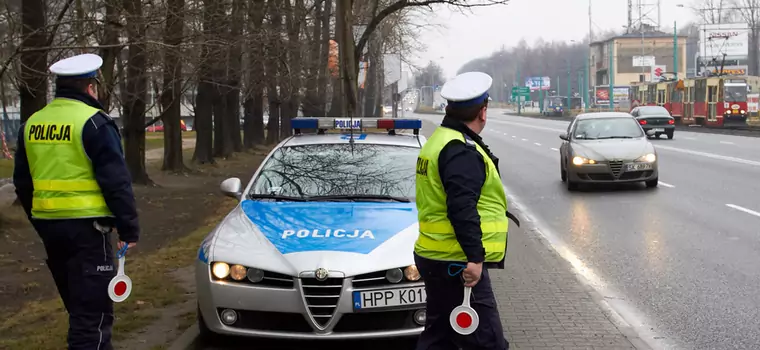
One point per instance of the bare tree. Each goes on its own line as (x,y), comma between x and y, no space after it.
(33,62)
(749,10)
(172,86)
(204,124)
(135,94)
(274,57)
(253,128)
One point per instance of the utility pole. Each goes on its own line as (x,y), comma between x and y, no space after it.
(611,74)
(587,80)
(540,92)
(675,49)
(569,84)
(519,98)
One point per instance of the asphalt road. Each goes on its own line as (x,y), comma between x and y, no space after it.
(679,262)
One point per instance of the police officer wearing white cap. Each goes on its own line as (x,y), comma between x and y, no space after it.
(72,180)
(463,219)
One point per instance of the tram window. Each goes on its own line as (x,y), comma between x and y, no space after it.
(701,91)
(735,93)
(675,95)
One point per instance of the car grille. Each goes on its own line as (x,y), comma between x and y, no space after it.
(616,166)
(321,298)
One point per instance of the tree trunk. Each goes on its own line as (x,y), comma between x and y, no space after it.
(234,73)
(371,86)
(253,128)
(348,66)
(33,80)
(325,83)
(222,142)
(109,53)
(311,103)
(172,86)
(273,56)
(204,99)
(134,104)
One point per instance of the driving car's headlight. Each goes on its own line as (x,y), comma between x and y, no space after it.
(237,272)
(743,111)
(580,161)
(411,273)
(647,158)
(221,270)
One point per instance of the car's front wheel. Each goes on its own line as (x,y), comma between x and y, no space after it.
(206,335)
(652,183)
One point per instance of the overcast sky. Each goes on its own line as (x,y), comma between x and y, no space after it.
(463,37)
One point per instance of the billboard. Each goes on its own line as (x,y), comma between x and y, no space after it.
(731,39)
(534,83)
(392,68)
(602,94)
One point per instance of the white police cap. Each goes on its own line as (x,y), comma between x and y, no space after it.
(79,66)
(467,89)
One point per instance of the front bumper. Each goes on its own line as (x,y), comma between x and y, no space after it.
(609,172)
(280,310)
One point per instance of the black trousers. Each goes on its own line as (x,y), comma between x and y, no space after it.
(444,293)
(80,259)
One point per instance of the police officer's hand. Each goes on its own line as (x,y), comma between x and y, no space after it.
(122,244)
(472,274)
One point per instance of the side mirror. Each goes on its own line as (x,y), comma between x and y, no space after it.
(563,136)
(650,132)
(232,188)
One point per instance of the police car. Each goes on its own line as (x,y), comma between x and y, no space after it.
(321,243)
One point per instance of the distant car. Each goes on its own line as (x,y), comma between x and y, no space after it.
(607,147)
(387,110)
(655,118)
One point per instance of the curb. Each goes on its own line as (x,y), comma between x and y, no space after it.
(187,340)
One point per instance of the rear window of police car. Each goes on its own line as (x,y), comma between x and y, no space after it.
(339,169)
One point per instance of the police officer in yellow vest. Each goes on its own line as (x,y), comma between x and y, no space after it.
(463,219)
(72,180)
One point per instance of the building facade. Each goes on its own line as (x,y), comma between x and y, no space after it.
(656,47)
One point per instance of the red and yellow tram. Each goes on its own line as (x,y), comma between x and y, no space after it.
(710,101)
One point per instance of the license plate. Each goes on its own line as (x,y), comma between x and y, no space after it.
(387,298)
(638,166)
(348,123)
(659,130)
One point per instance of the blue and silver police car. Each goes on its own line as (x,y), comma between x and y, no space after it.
(321,243)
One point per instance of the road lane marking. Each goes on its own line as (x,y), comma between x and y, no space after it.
(743,209)
(555,149)
(727,142)
(687,138)
(525,139)
(665,184)
(513,136)
(536,143)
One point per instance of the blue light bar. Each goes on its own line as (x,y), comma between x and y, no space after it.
(304,123)
(407,123)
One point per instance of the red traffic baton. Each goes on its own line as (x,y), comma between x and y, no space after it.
(121,285)
(464,320)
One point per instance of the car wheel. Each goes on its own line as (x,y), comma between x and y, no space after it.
(657,135)
(652,183)
(670,135)
(206,335)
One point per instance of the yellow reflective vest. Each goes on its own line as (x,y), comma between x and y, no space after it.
(62,175)
(437,240)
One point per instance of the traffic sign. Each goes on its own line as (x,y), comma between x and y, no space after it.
(520,90)
(464,319)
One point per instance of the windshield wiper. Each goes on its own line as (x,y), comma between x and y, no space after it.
(359,197)
(614,137)
(277,197)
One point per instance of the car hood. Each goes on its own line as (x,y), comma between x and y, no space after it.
(293,237)
(612,149)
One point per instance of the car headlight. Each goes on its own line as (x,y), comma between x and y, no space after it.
(237,272)
(743,111)
(412,273)
(647,158)
(580,160)
(221,270)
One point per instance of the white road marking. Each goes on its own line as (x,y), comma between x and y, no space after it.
(555,149)
(665,184)
(687,138)
(505,134)
(525,139)
(748,211)
(536,143)
(727,142)
(513,136)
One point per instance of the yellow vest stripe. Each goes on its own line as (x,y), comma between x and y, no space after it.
(69,203)
(66,185)
(451,244)
(445,226)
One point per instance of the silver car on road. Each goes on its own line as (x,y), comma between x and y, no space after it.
(321,243)
(607,147)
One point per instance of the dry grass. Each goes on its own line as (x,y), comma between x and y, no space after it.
(6,168)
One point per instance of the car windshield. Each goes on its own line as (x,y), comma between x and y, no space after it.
(338,170)
(607,128)
(653,110)
(735,93)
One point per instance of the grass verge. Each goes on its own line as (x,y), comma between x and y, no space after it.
(43,325)
(6,168)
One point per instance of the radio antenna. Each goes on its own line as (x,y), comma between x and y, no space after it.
(351,131)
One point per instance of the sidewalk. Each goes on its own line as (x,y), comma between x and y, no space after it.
(544,306)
